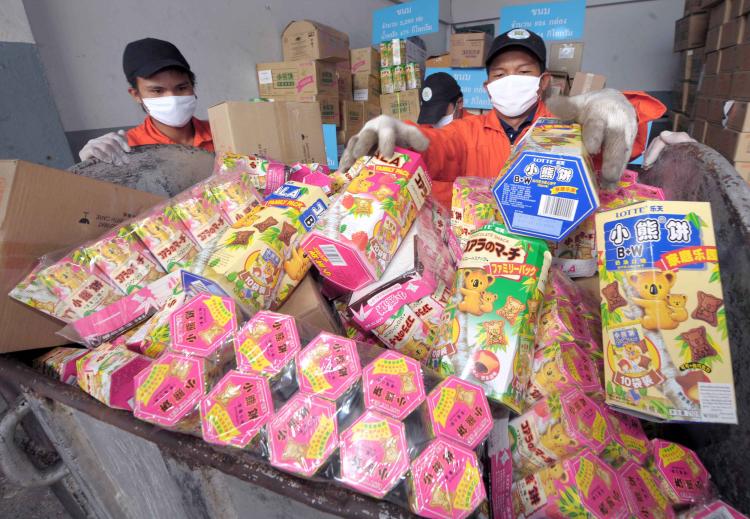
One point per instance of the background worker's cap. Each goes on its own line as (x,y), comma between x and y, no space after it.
(519,38)
(439,90)
(146,57)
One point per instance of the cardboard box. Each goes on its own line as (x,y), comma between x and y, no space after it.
(559,84)
(745,20)
(706,85)
(732,33)
(307,305)
(691,62)
(728,59)
(365,60)
(740,86)
(344,78)
(565,57)
(739,117)
(740,7)
(285,131)
(715,110)
(743,169)
(690,31)
(698,130)
(742,57)
(367,95)
(692,6)
(468,49)
(306,40)
(34,222)
(720,14)
(700,108)
(292,78)
(363,80)
(735,146)
(352,116)
(401,105)
(685,96)
(587,82)
(723,85)
(713,63)
(680,121)
(709,3)
(441,61)
(713,38)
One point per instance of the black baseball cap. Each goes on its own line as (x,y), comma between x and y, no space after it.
(146,57)
(439,90)
(522,38)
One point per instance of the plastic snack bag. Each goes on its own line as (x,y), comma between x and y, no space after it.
(166,238)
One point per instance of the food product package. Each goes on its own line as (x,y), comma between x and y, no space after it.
(236,410)
(664,324)
(234,193)
(166,237)
(60,363)
(259,260)
(154,336)
(557,428)
(498,289)
(642,493)
(716,509)
(629,441)
(472,206)
(582,486)
(679,472)
(266,175)
(559,367)
(107,372)
(312,174)
(123,259)
(458,411)
(266,344)
(353,243)
(393,385)
(561,321)
(328,367)
(200,215)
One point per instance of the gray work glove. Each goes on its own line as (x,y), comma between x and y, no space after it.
(609,125)
(657,145)
(382,133)
(111,148)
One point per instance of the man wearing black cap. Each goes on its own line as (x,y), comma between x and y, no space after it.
(163,84)
(441,100)
(614,124)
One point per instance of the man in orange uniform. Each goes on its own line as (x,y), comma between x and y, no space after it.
(614,124)
(163,84)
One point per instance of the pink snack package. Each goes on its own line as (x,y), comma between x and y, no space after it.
(628,177)
(167,393)
(60,363)
(561,322)
(154,336)
(124,260)
(303,435)
(374,454)
(313,174)
(166,238)
(201,218)
(714,510)
(445,481)
(459,412)
(680,473)
(557,428)
(202,325)
(582,486)
(236,410)
(328,366)
(266,343)
(107,372)
(472,206)
(561,366)
(393,385)
(645,499)
(629,441)
(266,175)
(234,194)
(640,192)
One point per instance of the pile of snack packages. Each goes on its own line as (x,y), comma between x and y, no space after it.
(484,331)
(399,70)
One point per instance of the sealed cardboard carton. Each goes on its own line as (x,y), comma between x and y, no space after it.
(468,49)
(565,57)
(732,33)
(699,129)
(739,117)
(305,39)
(690,31)
(286,131)
(742,57)
(685,96)
(740,88)
(713,39)
(296,78)
(441,61)
(365,60)
(728,61)
(587,82)
(735,146)
(692,6)
(364,80)
(559,84)
(307,305)
(276,79)
(664,324)
(720,14)
(401,105)
(353,116)
(344,79)
(713,63)
(33,223)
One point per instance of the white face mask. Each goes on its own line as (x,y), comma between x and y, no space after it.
(513,95)
(175,111)
(445,120)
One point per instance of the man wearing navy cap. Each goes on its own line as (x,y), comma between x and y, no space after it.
(441,100)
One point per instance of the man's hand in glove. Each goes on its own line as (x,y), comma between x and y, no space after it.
(609,125)
(382,134)
(111,148)
(664,139)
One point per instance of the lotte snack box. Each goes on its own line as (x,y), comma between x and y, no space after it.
(664,324)
(234,194)
(498,289)
(60,363)
(681,475)
(559,367)
(557,428)
(445,481)
(629,441)
(200,216)
(328,367)
(642,493)
(393,385)
(266,343)
(583,486)
(546,189)
(472,206)
(459,411)
(165,236)
(124,261)
(107,372)
(265,175)
(356,239)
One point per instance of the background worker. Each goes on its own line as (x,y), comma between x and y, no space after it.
(162,83)
(440,101)
(614,124)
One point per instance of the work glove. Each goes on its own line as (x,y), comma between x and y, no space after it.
(657,145)
(382,133)
(609,125)
(111,148)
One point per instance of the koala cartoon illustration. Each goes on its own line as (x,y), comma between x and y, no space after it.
(476,282)
(653,288)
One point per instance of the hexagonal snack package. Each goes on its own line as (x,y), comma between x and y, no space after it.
(459,411)
(393,384)
(266,343)
(328,366)
(679,471)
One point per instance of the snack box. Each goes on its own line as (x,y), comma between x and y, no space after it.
(265,175)
(445,481)
(629,441)
(167,392)
(582,486)
(200,216)
(107,372)
(266,343)
(559,367)
(234,194)
(393,385)
(303,434)
(374,455)
(459,412)
(664,324)
(258,260)
(313,174)
(328,366)
(60,363)
(202,325)
(357,238)
(154,336)
(123,259)
(546,189)
(165,236)
(557,428)
(679,472)
(236,409)
(561,321)
(498,289)
(642,493)
(472,206)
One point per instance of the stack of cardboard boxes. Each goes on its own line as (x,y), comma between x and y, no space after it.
(716,32)
(365,103)
(401,68)
(564,63)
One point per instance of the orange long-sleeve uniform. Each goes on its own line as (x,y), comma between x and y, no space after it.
(148,133)
(478,146)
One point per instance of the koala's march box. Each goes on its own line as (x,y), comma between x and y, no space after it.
(663,317)
(546,189)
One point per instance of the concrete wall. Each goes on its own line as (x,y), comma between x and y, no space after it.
(629,41)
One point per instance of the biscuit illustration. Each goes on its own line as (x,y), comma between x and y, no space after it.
(707,308)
